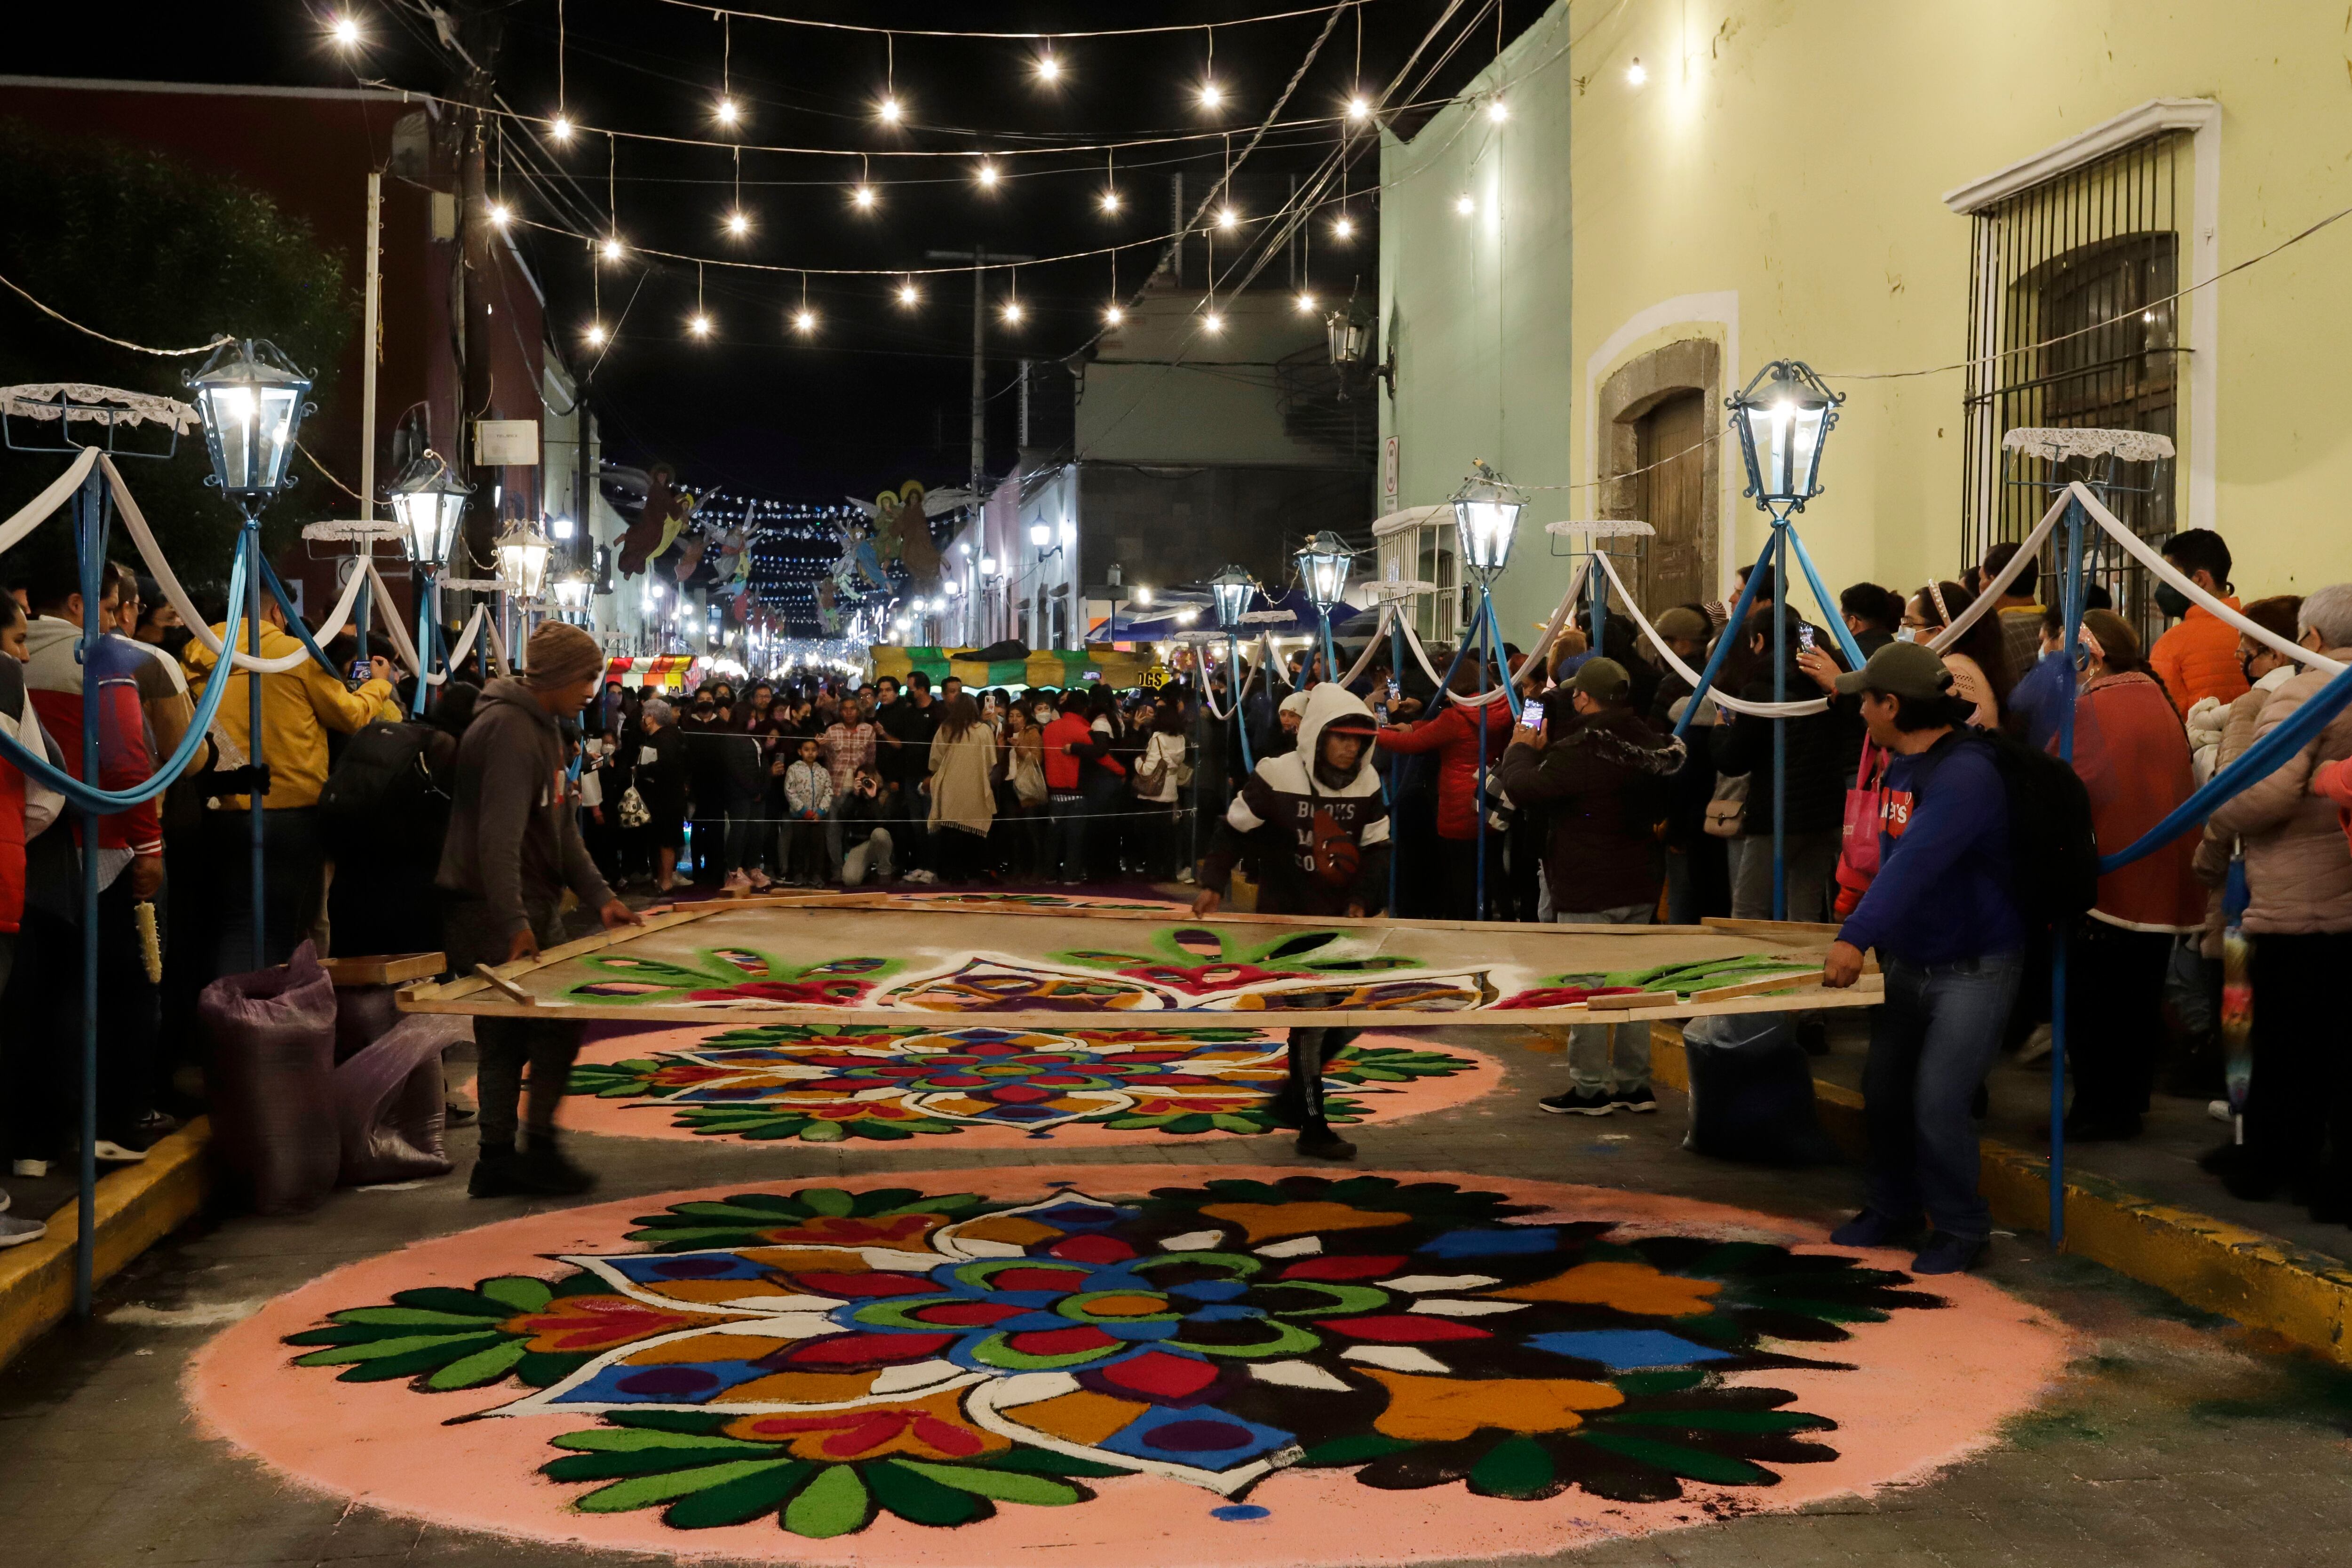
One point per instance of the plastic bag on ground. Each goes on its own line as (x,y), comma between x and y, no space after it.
(1752,1092)
(389,1103)
(363,1015)
(269,1079)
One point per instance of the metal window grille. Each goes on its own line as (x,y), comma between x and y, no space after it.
(2071,324)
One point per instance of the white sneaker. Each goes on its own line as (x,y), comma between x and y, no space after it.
(2219,1109)
(15,1232)
(109,1152)
(1185,876)
(5,1201)
(34,1168)
(2037,1045)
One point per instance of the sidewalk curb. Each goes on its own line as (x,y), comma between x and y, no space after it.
(137,1206)
(2259,1281)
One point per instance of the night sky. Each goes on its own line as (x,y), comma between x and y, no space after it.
(879,393)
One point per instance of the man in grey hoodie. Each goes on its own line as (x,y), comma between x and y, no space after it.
(513,847)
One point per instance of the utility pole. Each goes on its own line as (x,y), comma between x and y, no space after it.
(479,27)
(979,260)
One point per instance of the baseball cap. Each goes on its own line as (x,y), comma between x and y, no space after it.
(1685,623)
(1603,680)
(1901,670)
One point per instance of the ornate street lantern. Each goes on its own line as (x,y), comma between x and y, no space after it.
(428,501)
(1230,591)
(571,590)
(1486,520)
(1783,418)
(250,396)
(1323,563)
(523,554)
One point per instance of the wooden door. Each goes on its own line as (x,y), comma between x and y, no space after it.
(1670,435)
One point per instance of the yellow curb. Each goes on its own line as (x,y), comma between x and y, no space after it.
(138,1205)
(2259,1281)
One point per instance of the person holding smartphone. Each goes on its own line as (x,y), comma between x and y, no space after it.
(1454,735)
(1602,768)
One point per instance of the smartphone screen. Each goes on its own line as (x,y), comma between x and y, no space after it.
(1805,637)
(1395,688)
(1531,713)
(363,671)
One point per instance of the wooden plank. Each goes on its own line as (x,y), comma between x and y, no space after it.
(384,969)
(1787,931)
(1755,987)
(514,993)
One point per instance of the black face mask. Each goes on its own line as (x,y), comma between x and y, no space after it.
(2246,668)
(2171,601)
(175,639)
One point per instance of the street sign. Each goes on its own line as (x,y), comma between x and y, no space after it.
(506,443)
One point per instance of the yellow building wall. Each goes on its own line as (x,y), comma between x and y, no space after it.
(1777,184)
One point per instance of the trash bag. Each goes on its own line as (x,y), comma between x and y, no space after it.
(363,1015)
(1752,1092)
(269,1079)
(389,1102)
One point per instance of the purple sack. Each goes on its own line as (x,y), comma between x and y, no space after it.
(389,1102)
(268,1079)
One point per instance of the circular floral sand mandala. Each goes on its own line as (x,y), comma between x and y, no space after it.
(1061,1365)
(828,1083)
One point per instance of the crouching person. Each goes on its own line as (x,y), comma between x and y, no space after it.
(1943,915)
(1315,830)
(513,847)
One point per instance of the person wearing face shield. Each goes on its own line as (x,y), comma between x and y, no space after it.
(2198,657)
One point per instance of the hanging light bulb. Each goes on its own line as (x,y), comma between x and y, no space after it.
(597,334)
(1306,304)
(864,196)
(1049,70)
(805,321)
(699,325)
(1466,203)
(501,213)
(345,32)
(1211,95)
(908,296)
(1343,228)
(887,110)
(1635,74)
(986,176)
(738,223)
(612,249)
(1013,312)
(1113,315)
(1227,219)
(1360,109)
(1212,323)
(727,111)
(1111,201)
(560,128)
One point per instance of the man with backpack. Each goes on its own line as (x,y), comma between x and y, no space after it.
(1945,916)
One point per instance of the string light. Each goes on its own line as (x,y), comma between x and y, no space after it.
(1211,95)
(1306,304)
(612,249)
(986,174)
(1049,70)
(728,113)
(1498,111)
(560,128)
(345,32)
(1212,323)
(1360,109)
(864,196)
(1465,204)
(805,321)
(1013,312)
(888,110)
(909,295)
(1110,201)
(698,325)
(597,334)
(1227,219)
(501,213)
(738,223)
(1113,315)
(1635,74)
(1343,228)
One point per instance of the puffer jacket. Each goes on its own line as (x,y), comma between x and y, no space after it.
(2198,657)
(2298,866)
(2214,849)
(1604,778)
(1454,736)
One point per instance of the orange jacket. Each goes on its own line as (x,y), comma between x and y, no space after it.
(2198,658)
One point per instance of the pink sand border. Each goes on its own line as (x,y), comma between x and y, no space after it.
(1929,1388)
(657,1119)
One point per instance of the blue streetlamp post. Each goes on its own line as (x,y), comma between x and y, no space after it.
(1324,562)
(1485,525)
(1782,419)
(251,400)
(1229,596)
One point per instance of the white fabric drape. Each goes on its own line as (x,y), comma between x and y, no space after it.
(35,512)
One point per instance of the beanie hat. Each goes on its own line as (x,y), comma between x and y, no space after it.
(560,653)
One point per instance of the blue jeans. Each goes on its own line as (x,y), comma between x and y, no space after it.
(1590,1045)
(1930,1045)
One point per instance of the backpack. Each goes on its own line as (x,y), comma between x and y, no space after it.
(2053,852)
(382,784)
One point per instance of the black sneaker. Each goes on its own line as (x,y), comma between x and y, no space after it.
(1814,1036)
(1578,1103)
(1639,1101)
(1871,1228)
(1321,1143)
(496,1176)
(1286,1106)
(1945,1254)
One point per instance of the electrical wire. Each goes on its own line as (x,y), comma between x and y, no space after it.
(1057,34)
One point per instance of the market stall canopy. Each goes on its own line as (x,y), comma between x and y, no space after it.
(1096,664)
(1286,614)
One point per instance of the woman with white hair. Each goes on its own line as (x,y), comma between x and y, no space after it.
(2299,878)
(662,780)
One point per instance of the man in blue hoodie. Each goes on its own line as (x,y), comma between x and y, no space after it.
(1943,916)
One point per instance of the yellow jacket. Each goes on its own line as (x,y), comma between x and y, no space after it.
(297,708)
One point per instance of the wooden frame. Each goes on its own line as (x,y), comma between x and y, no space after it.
(1804,946)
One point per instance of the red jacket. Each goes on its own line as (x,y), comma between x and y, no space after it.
(56,681)
(1454,736)
(2133,757)
(2198,658)
(1062,767)
(12,802)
